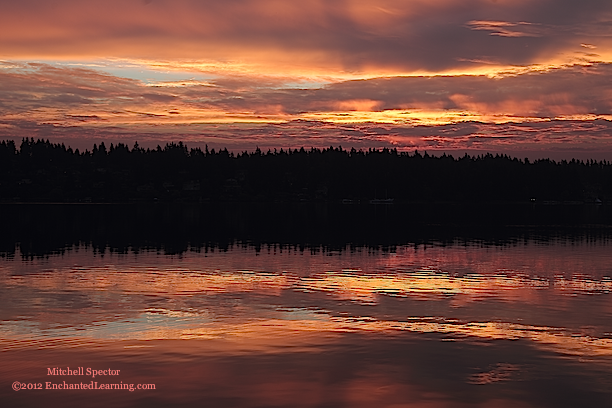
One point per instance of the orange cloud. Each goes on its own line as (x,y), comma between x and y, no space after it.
(50,101)
(507,29)
(353,36)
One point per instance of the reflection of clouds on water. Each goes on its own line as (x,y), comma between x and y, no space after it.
(501,372)
(436,326)
(551,295)
(271,330)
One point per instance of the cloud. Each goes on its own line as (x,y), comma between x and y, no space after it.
(41,91)
(506,29)
(513,113)
(554,139)
(439,74)
(389,36)
(573,90)
(49,93)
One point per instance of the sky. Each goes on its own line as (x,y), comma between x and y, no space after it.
(529,78)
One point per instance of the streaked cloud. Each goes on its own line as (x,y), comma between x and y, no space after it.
(179,68)
(270,35)
(507,29)
(568,92)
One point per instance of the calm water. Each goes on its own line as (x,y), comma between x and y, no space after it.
(527,324)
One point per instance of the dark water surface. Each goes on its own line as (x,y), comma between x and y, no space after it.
(470,315)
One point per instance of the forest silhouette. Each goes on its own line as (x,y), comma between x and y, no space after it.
(41,171)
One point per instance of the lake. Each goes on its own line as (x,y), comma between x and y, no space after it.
(298,314)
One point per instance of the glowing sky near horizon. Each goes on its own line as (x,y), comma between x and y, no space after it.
(521,77)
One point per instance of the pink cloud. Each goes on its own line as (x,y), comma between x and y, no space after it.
(350,35)
(80,106)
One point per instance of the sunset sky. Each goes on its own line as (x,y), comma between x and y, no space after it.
(528,78)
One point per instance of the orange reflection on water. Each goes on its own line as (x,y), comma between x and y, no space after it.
(296,329)
(512,274)
(553,296)
(155,281)
(430,285)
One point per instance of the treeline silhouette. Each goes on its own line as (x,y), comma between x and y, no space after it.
(40,171)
